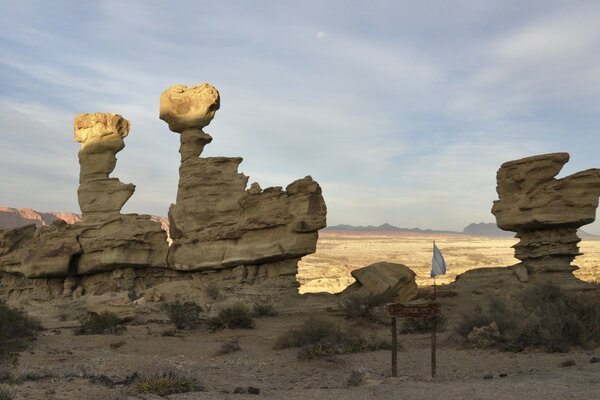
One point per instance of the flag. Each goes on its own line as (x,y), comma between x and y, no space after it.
(438,264)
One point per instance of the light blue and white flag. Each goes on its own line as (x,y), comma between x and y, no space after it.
(438,264)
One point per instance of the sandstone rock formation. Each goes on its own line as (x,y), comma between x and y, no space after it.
(246,242)
(544,211)
(104,239)
(216,223)
(383,278)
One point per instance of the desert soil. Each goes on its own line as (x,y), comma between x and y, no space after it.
(62,365)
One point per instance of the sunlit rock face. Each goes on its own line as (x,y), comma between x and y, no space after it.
(544,211)
(216,221)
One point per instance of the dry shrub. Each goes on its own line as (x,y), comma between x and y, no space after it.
(236,316)
(183,315)
(166,384)
(229,347)
(543,317)
(15,329)
(100,324)
(213,291)
(423,325)
(322,337)
(364,307)
(264,307)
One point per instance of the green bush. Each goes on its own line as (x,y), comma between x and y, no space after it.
(166,384)
(100,324)
(322,337)
(542,317)
(422,325)
(15,328)
(183,315)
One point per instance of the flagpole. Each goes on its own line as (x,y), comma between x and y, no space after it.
(433,330)
(434,286)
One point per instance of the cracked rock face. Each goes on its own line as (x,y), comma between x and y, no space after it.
(216,222)
(545,211)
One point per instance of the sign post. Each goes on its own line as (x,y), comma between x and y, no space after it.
(418,310)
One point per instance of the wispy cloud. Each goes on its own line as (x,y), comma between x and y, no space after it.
(402,111)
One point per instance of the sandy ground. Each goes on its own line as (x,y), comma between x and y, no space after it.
(60,365)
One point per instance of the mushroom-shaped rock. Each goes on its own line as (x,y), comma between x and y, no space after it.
(217,222)
(187,110)
(101,137)
(545,211)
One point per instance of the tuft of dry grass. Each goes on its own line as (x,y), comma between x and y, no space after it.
(7,393)
(166,384)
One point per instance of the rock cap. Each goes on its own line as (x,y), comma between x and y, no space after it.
(90,128)
(184,107)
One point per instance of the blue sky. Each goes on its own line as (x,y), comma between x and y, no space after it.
(402,111)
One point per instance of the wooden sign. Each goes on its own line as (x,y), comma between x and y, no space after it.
(399,310)
(418,310)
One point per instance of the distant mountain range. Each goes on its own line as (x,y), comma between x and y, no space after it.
(386,228)
(11,218)
(489,229)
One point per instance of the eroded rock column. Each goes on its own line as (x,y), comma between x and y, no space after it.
(101,138)
(544,211)
(109,239)
(216,222)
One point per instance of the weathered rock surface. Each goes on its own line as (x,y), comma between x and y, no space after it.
(544,211)
(216,223)
(384,278)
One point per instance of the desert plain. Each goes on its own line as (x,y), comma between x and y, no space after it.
(339,252)
(62,365)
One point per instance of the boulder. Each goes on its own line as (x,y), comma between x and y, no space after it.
(117,303)
(383,278)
